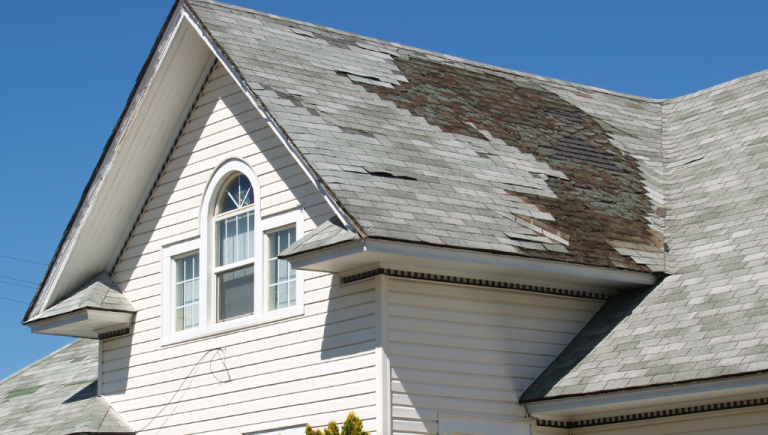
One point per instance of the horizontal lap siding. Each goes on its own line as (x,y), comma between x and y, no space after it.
(470,350)
(307,369)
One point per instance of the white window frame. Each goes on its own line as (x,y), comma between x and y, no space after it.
(170,255)
(205,245)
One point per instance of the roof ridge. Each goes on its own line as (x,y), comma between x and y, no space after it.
(723,85)
(445,56)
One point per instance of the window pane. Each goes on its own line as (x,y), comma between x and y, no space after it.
(235,293)
(187,292)
(238,194)
(281,276)
(236,238)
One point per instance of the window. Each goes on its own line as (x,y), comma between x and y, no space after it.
(187,296)
(230,277)
(235,240)
(281,276)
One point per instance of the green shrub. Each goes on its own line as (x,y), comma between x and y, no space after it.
(352,426)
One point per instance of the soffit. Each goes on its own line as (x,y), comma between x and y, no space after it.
(123,177)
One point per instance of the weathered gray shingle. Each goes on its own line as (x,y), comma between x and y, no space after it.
(100,292)
(427,148)
(57,396)
(710,317)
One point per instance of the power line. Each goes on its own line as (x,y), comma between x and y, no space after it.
(16,279)
(21,259)
(17,284)
(14,300)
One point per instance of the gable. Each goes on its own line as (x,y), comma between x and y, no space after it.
(138,151)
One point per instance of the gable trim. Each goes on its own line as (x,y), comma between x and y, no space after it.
(143,81)
(221,55)
(161,170)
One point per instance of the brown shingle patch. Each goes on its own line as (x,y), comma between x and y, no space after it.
(603,197)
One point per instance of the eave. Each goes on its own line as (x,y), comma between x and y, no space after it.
(357,255)
(652,402)
(85,323)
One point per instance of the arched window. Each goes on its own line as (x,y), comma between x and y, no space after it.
(235,241)
(230,275)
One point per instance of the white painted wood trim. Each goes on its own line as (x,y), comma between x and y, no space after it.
(272,123)
(205,246)
(189,106)
(99,377)
(383,367)
(82,214)
(624,402)
(544,267)
(170,253)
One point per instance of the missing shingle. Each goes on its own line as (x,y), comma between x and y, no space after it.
(485,155)
(349,74)
(295,99)
(302,32)
(334,42)
(573,149)
(389,174)
(313,111)
(566,116)
(356,131)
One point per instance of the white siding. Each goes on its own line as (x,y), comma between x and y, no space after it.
(470,350)
(308,369)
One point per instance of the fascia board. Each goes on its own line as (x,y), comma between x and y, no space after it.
(61,256)
(647,399)
(233,71)
(335,259)
(66,324)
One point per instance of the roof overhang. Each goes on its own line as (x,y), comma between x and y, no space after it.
(356,255)
(85,323)
(651,399)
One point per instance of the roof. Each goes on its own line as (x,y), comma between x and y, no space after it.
(426,148)
(430,149)
(57,395)
(710,318)
(330,233)
(100,292)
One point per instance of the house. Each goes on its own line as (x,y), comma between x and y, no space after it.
(291,222)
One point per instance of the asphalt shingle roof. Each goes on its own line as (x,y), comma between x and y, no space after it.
(426,148)
(100,292)
(710,317)
(57,396)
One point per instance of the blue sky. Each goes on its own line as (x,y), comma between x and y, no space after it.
(68,68)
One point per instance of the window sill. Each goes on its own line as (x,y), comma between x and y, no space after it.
(236,325)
